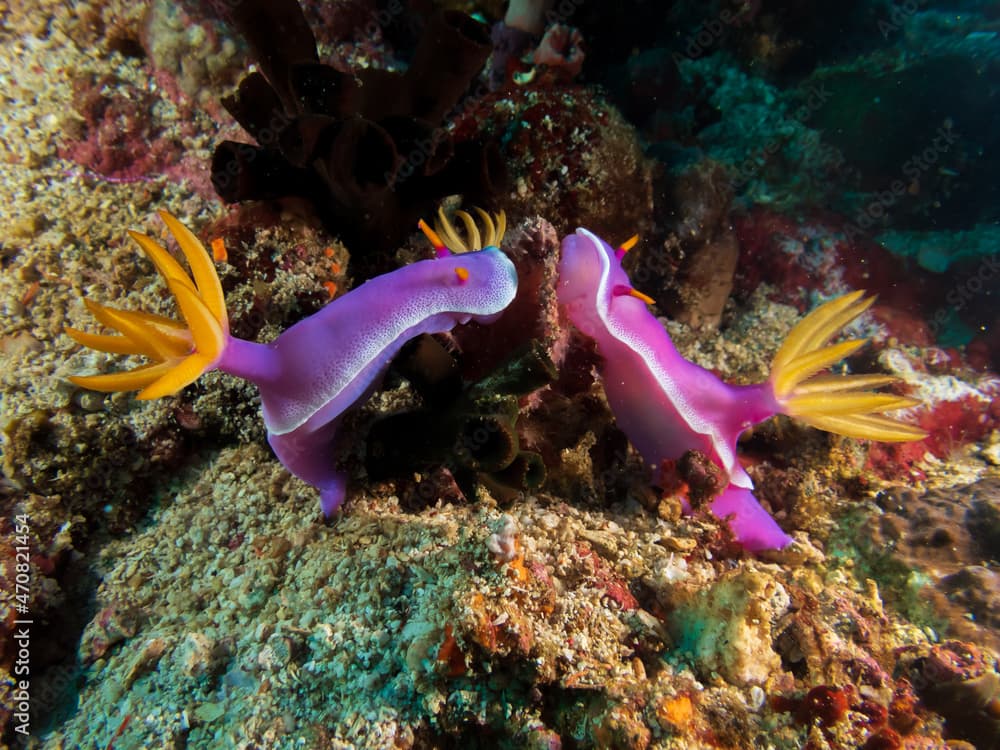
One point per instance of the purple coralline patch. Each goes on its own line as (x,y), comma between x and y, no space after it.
(959,681)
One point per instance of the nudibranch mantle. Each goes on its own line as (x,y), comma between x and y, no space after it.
(667,405)
(317,369)
(333,358)
(648,383)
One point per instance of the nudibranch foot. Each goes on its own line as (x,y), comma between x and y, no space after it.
(749,522)
(311,457)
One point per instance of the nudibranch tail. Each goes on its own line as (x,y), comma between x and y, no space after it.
(181,351)
(494,228)
(836,403)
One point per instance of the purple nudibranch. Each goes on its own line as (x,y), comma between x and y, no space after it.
(311,374)
(317,369)
(667,405)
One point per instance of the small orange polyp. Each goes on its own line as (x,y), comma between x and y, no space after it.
(462,274)
(331,288)
(219,254)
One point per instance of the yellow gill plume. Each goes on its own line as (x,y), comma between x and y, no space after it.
(181,351)
(494,228)
(836,403)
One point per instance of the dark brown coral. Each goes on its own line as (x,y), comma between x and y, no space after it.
(699,200)
(469,428)
(948,535)
(368,150)
(959,681)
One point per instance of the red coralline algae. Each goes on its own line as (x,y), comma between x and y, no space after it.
(118,137)
(825,704)
(772,250)
(846,718)
(884,739)
(959,681)
(951,424)
(903,707)
(896,460)
(815,255)
(449,654)
(952,662)
(614,587)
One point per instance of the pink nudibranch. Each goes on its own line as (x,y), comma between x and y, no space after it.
(667,405)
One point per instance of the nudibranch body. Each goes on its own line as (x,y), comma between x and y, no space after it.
(667,405)
(317,369)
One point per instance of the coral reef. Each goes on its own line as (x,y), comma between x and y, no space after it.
(961,683)
(184,590)
(469,429)
(571,156)
(931,546)
(368,150)
(702,232)
(736,646)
